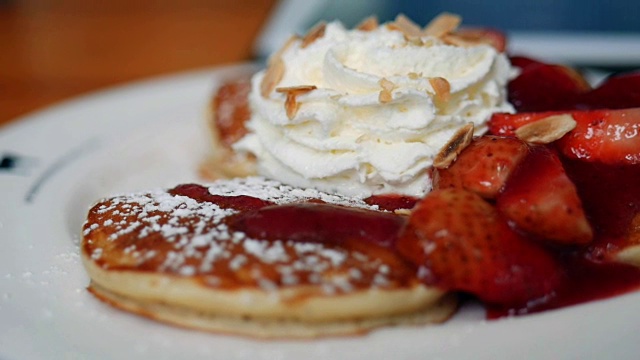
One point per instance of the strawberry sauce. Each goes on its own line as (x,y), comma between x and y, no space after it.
(611,201)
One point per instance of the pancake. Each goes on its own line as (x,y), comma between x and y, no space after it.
(178,258)
(227,113)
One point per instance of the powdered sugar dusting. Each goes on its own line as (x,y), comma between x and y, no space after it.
(177,235)
(279,193)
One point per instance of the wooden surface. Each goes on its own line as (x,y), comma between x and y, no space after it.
(51,50)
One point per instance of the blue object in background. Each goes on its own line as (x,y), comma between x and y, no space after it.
(531,15)
(509,15)
(587,33)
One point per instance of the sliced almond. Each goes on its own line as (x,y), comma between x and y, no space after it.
(385,97)
(457,40)
(368,24)
(416,41)
(402,211)
(630,254)
(275,69)
(315,33)
(385,93)
(406,26)
(546,130)
(296,90)
(291,104)
(441,25)
(272,76)
(414,76)
(441,87)
(450,151)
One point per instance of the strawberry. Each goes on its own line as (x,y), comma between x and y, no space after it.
(540,198)
(482,167)
(460,242)
(505,124)
(606,136)
(544,87)
(524,63)
(547,87)
(617,92)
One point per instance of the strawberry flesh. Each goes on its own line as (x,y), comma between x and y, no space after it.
(541,199)
(617,92)
(545,87)
(460,242)
(482,167)
(605,136)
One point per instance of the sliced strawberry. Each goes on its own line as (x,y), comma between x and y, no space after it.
(488,36)
(541,199)
(482,167)
(524,62)
(611,199)
(504,124)
(617,92)
(546,87)
(460,242)
(606,136)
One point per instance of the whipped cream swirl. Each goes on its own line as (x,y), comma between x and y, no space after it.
(376,119)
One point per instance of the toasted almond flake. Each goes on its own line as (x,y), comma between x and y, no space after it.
(441,87)
(297,90)
(457,40)
(416,41)
(442,24)
(287,44)
(387,85)
(385,93)
(413,75)
(406,26)
(402,212)
(546,130)
(368,24)
(385,96)
(630,254)
(315,33)
(291,104)
(272,76)
(450,151)
(275,69)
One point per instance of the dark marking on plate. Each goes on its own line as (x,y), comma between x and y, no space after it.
(59,164)
(15,164)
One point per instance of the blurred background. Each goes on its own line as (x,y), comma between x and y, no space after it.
(51,50)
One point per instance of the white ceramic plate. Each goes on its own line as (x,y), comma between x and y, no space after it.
(152,134)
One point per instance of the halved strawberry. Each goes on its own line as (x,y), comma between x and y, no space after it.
(482,167)
(546,87)
(540,198)
(617,92)
(606,136)
(505,124)
(524,62)
(460,242)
